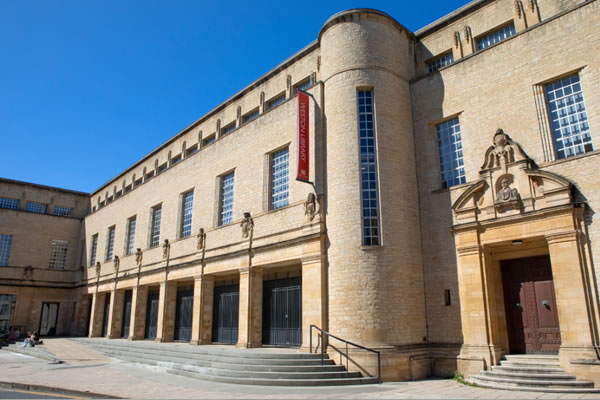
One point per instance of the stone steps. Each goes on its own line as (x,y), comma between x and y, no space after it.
(269,367)
(535,373)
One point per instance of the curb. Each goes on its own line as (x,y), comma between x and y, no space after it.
(42,388)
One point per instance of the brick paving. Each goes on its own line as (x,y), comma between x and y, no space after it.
(86,370)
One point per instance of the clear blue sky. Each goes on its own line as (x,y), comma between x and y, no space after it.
(87,88)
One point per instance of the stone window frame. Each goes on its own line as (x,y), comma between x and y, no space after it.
(435,125)
(495,34)
(219,182)
(130,235)
(181,219)
(379,237)
(441,60)
(543,116)
(250,115)
(93,249)
(210,139)
(154,230)
(58,254)
(109,250)
(268,178)
(5,246)
(275,101)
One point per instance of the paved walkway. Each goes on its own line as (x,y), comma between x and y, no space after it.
(85,370)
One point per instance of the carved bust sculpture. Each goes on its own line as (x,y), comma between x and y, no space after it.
(116,262)
(98,267)
(201,239)
(138,256)
(247,225)
(503,152)
(505,193)
(166,248)
(310,206)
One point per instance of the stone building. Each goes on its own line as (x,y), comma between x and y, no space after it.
(449,218)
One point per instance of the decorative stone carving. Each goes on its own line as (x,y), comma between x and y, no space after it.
(116,263)
(510,184)
(201,239)
(166,249)
(28,272)
(82,272)
(247,225)
(503,152)
(98,268)
(138,256)
(311,207)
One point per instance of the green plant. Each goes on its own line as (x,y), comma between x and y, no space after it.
(458,377)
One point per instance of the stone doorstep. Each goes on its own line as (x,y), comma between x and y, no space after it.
(531,389)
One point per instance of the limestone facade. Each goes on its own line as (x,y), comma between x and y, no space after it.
(429,293)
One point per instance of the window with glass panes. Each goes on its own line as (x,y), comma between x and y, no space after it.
(5,243)
(63,211)
(35,207)
(450,153)
(496,36)
(110,243)
(186,217)
(439,62)
(130,235)
(155,226)
(279,179)
(58,254)
(11,204)
(568,117)
(368,169)
(93,249)
(226,209)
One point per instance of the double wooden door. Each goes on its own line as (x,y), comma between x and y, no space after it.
(530,304)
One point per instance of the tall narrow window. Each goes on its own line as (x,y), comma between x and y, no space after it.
(451,154)
(279,178)
(568,117)
(155,226)
(58,254)
(5,243)
(130,235)
(93,249)
(368,169)
(226,209)
(496,36)
(186,214)
(110,243)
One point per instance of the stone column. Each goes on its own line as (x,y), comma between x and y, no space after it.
(573,302)
(250,322)
(203,309)
(475,353)
(313,299)
(83,307)
(97,314)
(139,300)
(167,300)
(115,320)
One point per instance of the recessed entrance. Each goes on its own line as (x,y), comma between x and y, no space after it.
(49,319)
(183,314)
(530,304)
(282,312)
(126,314)
(151,315)
(105,315)
(226,308)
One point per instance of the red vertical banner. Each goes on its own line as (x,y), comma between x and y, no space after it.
(303,138)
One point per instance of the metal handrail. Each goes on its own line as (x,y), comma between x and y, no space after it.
(347,342)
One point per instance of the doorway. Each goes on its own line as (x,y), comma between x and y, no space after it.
(282,312)
(183,313)
(530,305)
(126,314)
(49,319)
(151,316)
(226,308)
(105,316)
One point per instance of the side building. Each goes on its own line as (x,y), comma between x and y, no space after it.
(41,249)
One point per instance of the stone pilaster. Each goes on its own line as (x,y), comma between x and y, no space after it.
(115,323)
(97,314)
(250,313)
(139,301)
(313,299)
(203,309)
(167,303)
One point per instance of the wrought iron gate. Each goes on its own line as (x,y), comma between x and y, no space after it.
(183,314)
(126,314)
(105,317)
(151,315)
(282,312)
(226,314)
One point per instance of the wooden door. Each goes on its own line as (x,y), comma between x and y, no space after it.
(530,304)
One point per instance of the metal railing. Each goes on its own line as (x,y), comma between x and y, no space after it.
(323,344)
